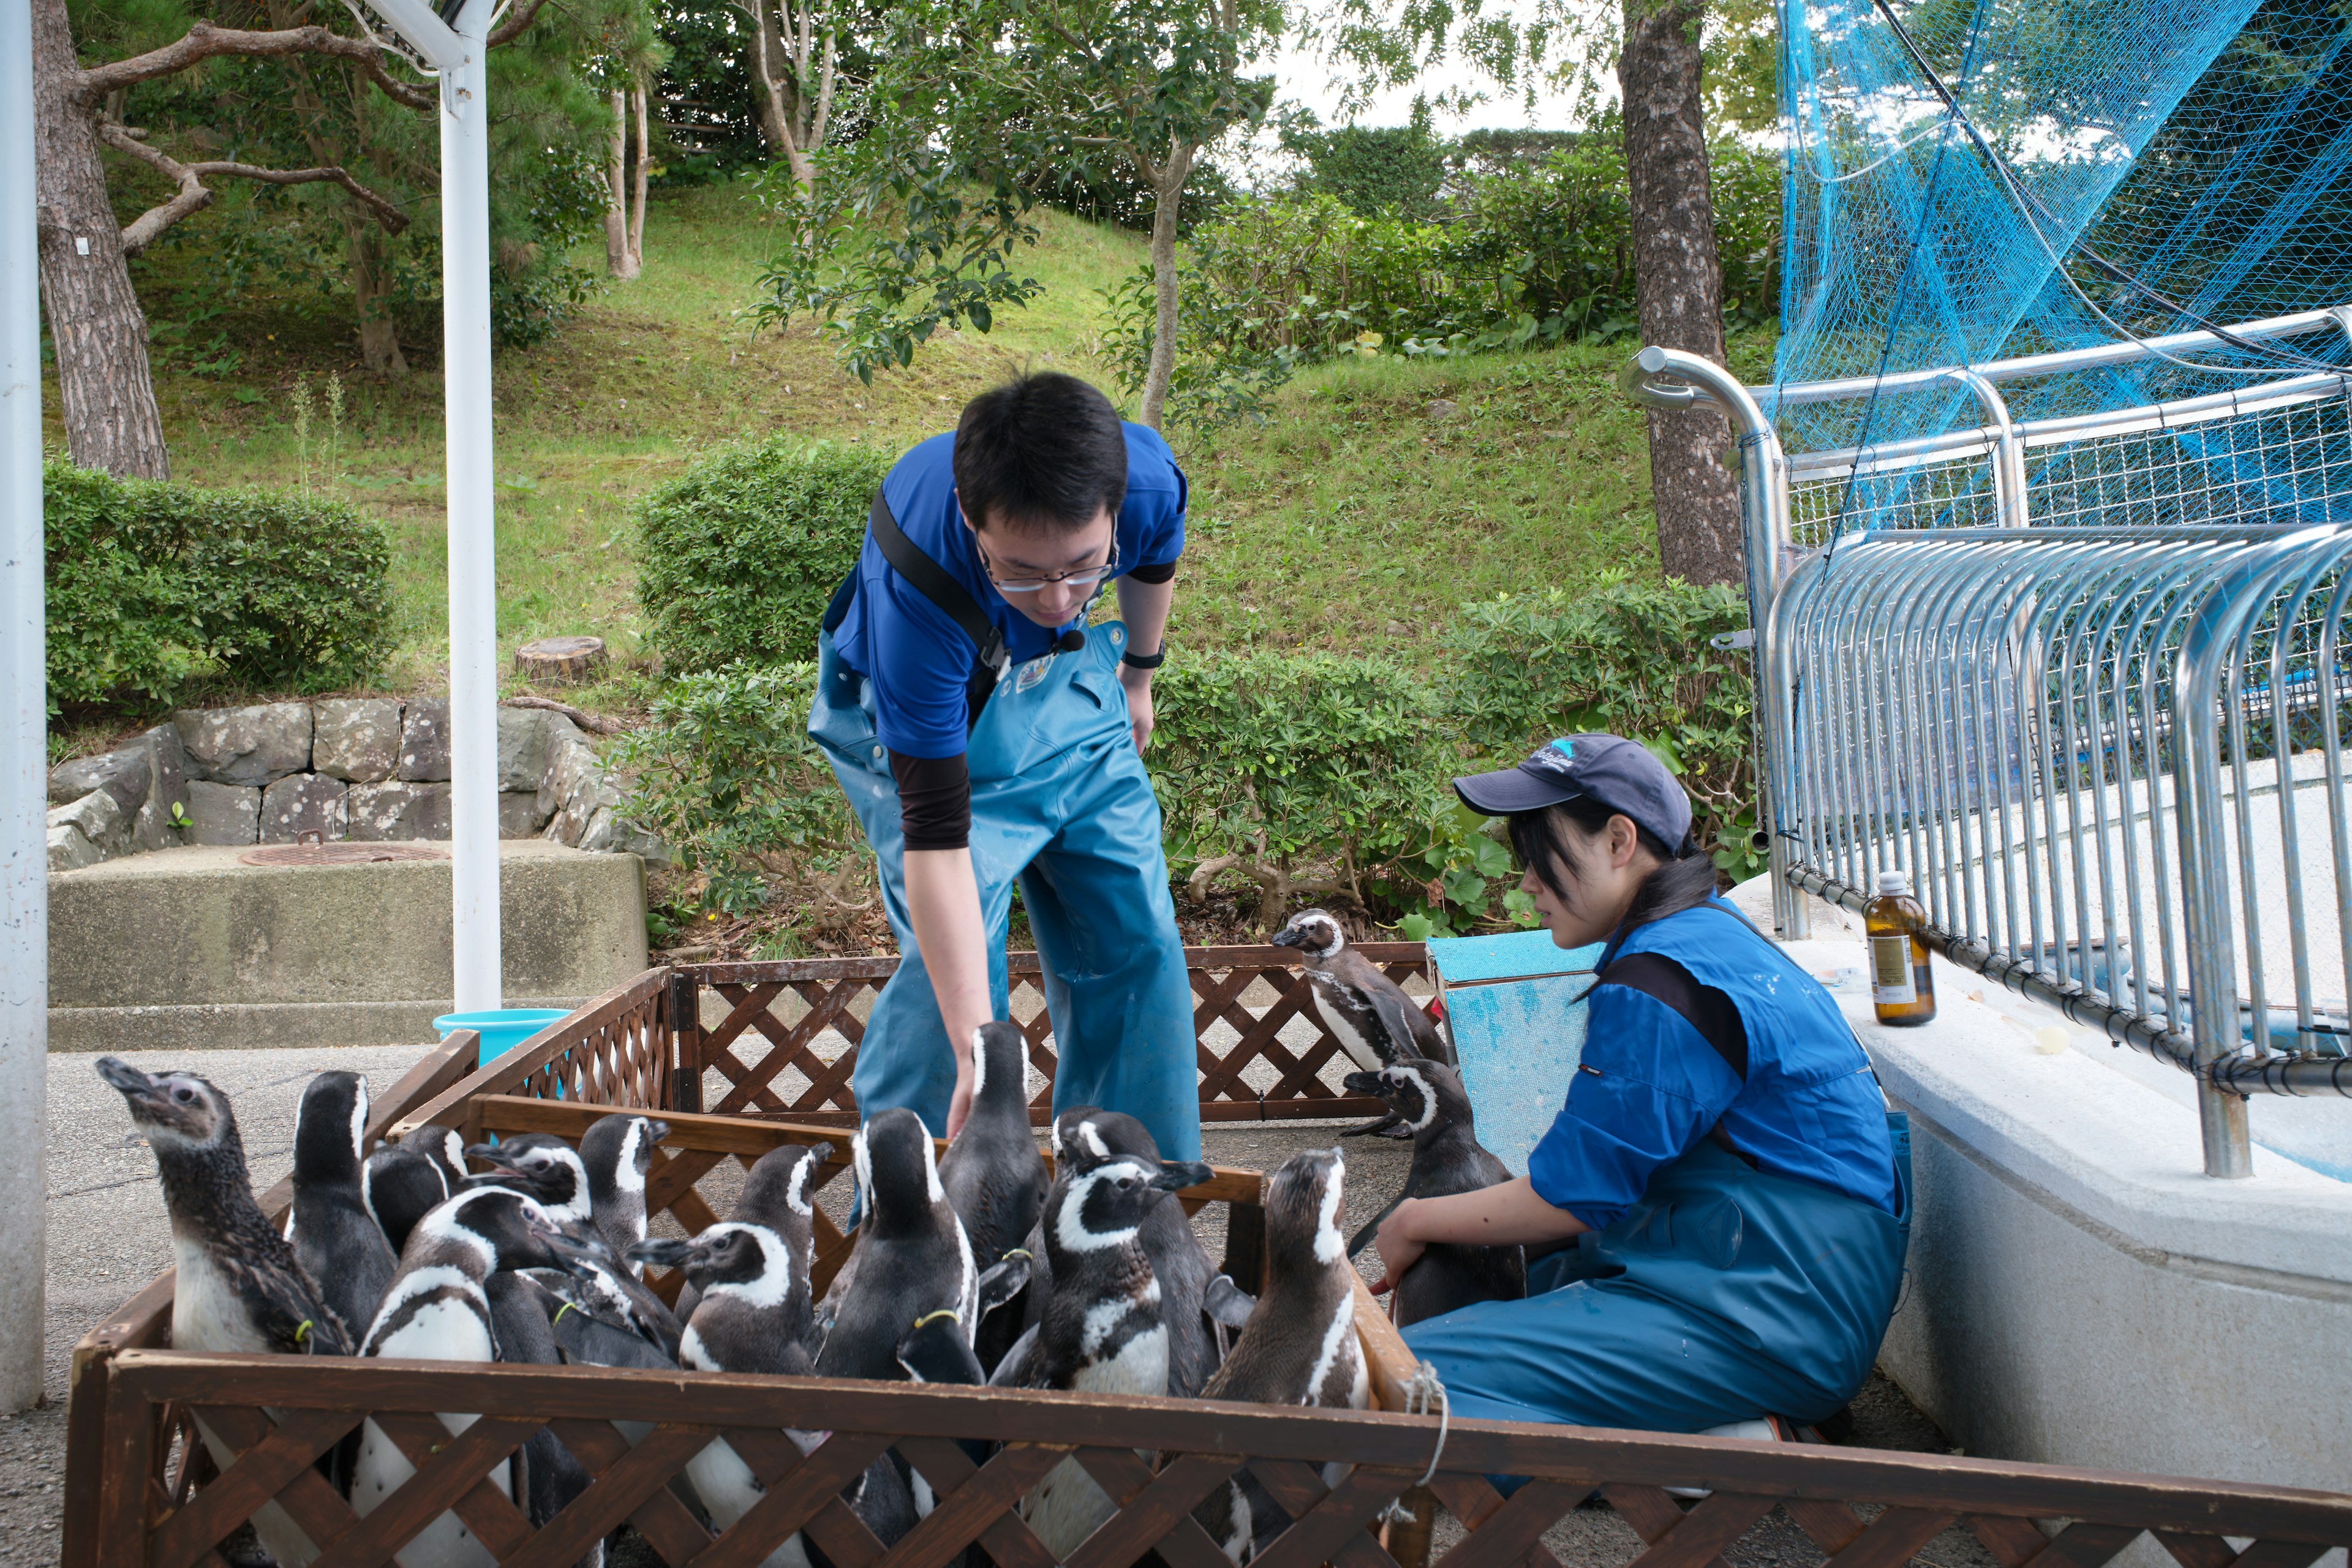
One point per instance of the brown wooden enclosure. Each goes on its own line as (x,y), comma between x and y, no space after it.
(135,1495)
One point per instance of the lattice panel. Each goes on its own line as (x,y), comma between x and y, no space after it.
(279,1415)
(773,1065)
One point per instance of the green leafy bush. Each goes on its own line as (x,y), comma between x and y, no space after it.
(151,584)
(741,554)
(727,774)
(1530,250)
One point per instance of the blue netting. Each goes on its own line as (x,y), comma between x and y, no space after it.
(2202,148)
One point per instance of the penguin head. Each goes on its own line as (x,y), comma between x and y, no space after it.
(1420,1091)
(1105,1204)
(731,1258)
(898,1171)
(617,1152)
(998,1048)
(497,1226)
(540,1164)
(329,1127)
(1302,1212)
(173,1110)
(780,1186)
(939,1350)
(1084,1137)
(1315,932)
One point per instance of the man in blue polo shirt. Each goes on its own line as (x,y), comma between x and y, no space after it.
(987,737)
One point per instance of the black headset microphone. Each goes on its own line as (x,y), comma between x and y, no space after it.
(1071,641)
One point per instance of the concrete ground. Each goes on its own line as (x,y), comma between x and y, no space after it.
(107,1237)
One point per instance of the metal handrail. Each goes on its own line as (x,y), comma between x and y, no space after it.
(2069,735)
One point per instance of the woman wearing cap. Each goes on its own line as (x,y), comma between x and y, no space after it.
(1728,1195)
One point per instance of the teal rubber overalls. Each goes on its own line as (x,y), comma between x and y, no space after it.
(1725,1292)
(1061,806)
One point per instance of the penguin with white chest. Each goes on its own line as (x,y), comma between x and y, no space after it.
(1084,1138)
(912,1257)
(336,1239)
(1103,1330)
(618,1152)
(238,1286)
(1368,1013)
(1447,1158)
(780,1193)
(438,1309)
(1300,1346)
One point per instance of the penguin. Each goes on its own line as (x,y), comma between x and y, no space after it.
(617,1152)
(336,1239)
(438,1309)
(1300,1346)
(540,1164)
(993,1171)
(1447,1158)
(238,1286)
(779,1192)
(399,1185)
(608,1291)
(1368,1013)
(443,1147)
(1084,1138)
(912,1255)
(554,1478)
(1103,1330)
(751,1317)
(936,1351)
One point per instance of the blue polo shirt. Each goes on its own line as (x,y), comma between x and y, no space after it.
(1649,1085)
(917,659)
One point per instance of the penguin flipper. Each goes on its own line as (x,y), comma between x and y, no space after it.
(293,1314)
(1227,1302)
(1003,1279)
(1397,1041)
(1013,1372)
(592,1341)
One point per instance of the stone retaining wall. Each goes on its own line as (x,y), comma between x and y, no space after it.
(368,769)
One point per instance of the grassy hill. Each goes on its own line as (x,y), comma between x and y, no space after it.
(1382,493)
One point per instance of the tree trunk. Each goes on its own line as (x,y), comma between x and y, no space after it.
(1678,282)
(767,44)
(371,285)
(616,205)
(645,157)
(101,334)
(1167,197)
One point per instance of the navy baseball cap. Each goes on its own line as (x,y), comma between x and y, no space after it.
(1617,773)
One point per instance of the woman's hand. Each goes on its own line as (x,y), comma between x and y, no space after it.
(1400,1248)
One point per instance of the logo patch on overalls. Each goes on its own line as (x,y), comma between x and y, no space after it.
(1032,672)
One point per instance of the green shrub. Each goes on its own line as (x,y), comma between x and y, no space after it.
(152,584)
(1533,250)
(741,554)
(727,775)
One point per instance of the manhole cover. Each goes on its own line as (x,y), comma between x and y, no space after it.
(339,854)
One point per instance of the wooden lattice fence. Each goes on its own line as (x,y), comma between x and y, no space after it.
(138,1493)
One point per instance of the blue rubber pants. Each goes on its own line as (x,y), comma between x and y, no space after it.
(1724,1295)
(1060,804)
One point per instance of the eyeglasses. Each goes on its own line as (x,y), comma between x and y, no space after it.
(1084,577)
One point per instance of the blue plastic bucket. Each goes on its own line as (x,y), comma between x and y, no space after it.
(501,1028)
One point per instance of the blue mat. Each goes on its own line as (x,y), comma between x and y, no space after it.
(1515,1005)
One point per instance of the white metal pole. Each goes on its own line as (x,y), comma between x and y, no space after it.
(24,742)
(473,567)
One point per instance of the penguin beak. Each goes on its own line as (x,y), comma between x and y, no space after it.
(1175,1175)
(663,1253)
(571,1255)
(1288,936)
(655,1130)
(122,1076)
(1369,1083)
(491,1155)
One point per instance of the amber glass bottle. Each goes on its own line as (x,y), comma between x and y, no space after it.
(1901,988)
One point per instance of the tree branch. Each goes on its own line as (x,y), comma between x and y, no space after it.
(192,197)
(204,41)
(517,20)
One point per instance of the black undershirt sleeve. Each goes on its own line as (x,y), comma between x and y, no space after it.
(1708,1010)
(934,801)
(1163,572)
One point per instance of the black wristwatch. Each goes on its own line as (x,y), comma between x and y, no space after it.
(1146,660)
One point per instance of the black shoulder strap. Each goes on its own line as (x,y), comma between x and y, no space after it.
(1709,1012)
(932,581)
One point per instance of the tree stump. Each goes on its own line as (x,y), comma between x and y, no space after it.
(560,659)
